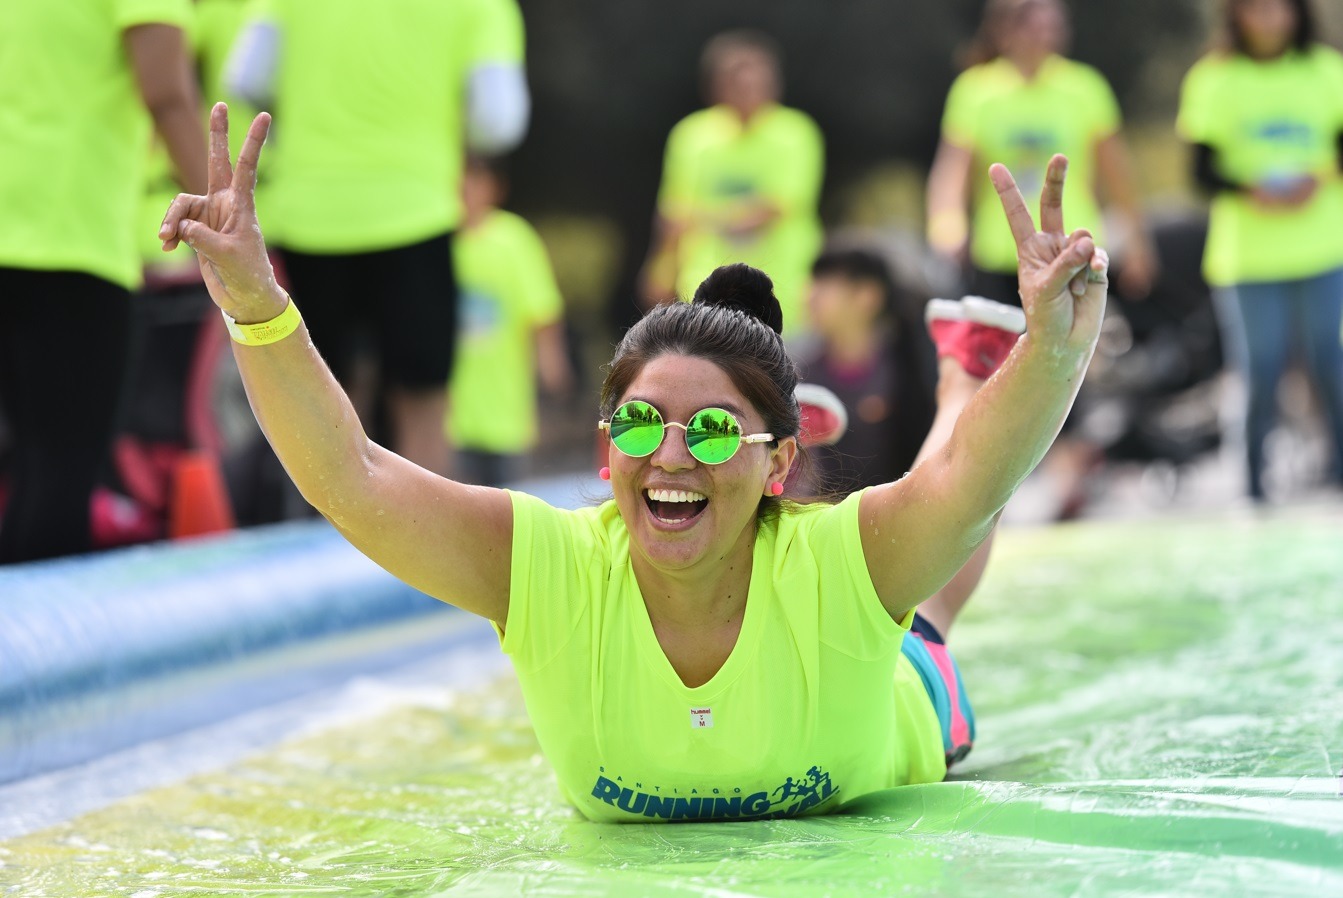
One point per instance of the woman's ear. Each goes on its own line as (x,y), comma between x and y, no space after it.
(781,460)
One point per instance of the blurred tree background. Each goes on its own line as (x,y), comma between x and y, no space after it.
(610,78)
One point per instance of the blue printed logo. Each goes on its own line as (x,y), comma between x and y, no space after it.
(790,798)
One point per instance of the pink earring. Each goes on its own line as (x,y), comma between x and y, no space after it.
(776,488)
(604,473)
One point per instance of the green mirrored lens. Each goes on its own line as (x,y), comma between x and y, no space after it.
(713,436)
(636,429)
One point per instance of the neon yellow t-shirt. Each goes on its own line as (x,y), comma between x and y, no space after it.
(218,25)
(507,291)
(715,166)
(366,151)
(815,706)
(1267,120)
(75,135)
(995,113)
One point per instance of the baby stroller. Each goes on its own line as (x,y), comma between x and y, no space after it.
(1151,395)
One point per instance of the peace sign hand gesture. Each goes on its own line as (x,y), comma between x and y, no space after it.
(1063,277)
(222,227)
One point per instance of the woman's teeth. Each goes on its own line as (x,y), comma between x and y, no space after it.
(674,496)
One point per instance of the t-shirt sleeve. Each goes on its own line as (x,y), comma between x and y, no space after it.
(799,189)
(1103,105)
(496,33)
(853,620)
(1196,120)
(536,278)
(557,571)
(675,191)
(958,117)
(129,13)
(1333,72)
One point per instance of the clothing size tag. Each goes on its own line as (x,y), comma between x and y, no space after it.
(701,718)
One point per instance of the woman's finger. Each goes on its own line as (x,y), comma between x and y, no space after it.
(1014,207)
(184,206)
(1072,262)
(203,239)
(244,176)
(220,172)
(1051,195)
(1098,272)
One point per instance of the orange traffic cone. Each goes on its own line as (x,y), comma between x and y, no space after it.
(200,503)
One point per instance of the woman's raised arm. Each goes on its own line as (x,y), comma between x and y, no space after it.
(450,540)
(918,531)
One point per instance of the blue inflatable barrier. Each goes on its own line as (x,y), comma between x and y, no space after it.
(100,652)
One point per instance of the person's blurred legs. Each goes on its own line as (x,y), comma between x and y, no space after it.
(1255,321)
(416,421)
(402,304)
(1319,308)
(63,354)
(982,333)
(417,339)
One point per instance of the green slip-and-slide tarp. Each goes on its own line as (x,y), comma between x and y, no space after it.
(1160,711)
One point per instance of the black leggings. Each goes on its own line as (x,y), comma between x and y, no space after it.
(63,356)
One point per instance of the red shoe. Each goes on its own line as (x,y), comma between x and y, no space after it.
(824,418)
(977,332)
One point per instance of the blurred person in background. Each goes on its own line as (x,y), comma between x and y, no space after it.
(172,413)
(374,110)
(82,88)
(740,181)
(874,354)
(1019,102)
(511,331)
(1265,115)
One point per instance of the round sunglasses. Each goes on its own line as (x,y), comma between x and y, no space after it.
(712,435)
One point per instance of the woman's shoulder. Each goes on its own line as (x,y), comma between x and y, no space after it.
(814,523)
(597,526)
(1079,73)
(1325,57)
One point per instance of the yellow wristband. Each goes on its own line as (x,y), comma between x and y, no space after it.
(279,327)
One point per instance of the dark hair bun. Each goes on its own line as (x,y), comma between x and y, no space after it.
(739,286)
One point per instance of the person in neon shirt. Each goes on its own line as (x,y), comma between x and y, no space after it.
(740,181)
(85,87)
(511,333)
(1020,102)
(696,648)
(365,225)
(1265,116)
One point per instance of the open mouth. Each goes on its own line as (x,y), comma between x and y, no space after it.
(675,506)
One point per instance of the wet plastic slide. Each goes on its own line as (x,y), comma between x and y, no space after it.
(1160,712)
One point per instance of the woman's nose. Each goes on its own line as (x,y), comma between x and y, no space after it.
(673,454)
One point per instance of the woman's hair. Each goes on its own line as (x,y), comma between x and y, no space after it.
(999,15)
(1232,38)
(858,266)
(735,322)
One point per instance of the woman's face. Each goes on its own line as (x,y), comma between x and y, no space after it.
(1266,26)
(746,80)
(677,536)
(1040,28)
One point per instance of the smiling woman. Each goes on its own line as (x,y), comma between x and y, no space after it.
(697,648)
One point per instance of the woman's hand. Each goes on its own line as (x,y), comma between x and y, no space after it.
(1283,195)
(222,227)
(1063,277)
